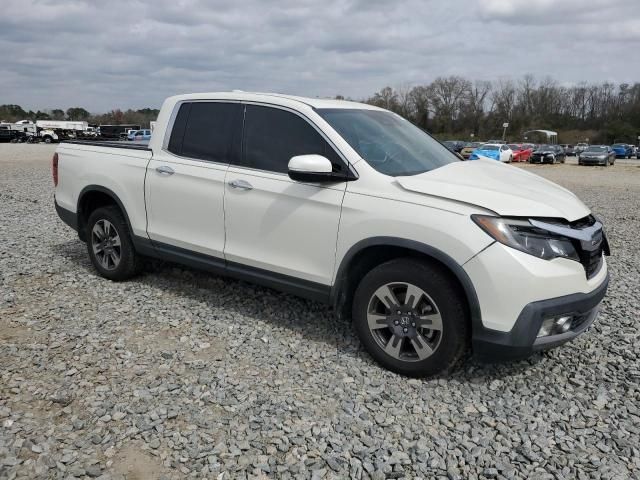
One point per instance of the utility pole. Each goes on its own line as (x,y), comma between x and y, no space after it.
(504,130)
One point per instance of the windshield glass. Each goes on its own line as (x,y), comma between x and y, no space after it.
(596,149)
(387,142)
(619,145)
(489,147)
(515,147)
(545,147)
(471,145)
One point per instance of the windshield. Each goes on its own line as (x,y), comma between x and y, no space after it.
(596,149)
(387,142)
(489,147)
(471,145)
(515,147)
(619,145)
(545,147)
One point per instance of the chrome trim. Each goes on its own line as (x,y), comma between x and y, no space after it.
(584,235)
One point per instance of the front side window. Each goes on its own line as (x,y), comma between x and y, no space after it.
(387,142)
(207,131)
(272,136)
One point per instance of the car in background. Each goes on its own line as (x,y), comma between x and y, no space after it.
(454,145)
(548,154)
(622,150)
(468,149)
(581,147)
(521,152)
(597,155)
(569,150)
(493,151)
(139,135)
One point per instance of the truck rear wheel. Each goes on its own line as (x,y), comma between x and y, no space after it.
(109,244)
(411,318)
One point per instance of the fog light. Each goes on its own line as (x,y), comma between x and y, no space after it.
(555,326)
(563,324)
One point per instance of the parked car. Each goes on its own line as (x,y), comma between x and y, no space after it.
(351,205)
(622,150)
(139,135)
(521,152)
(597,155)
(468,149)
(580,147)
(490,151)
(569,150)
(454,145)
(548,154)
(6,134)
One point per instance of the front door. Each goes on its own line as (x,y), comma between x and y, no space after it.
(275,223)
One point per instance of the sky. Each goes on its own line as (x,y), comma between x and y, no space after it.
(133,53)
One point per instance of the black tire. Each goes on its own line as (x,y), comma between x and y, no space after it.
(130,262)
(450,304)
(48,139)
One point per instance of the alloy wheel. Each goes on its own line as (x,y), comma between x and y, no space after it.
(106,244)
(404,321)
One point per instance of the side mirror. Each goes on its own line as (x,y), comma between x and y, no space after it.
(312,168)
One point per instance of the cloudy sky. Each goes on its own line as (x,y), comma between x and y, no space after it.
(133,53)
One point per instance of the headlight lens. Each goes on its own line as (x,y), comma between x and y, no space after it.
(521,235)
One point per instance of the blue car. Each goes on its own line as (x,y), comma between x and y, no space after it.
(139,135)
(622,150)
(495,151)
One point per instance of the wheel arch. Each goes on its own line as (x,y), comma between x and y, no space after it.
(92,197)
(370,252)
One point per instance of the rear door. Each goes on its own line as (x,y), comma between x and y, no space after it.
(185,180)
(274,223)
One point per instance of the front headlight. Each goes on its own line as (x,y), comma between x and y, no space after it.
(521,235)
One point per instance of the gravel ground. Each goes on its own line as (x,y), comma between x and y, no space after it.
(180,374)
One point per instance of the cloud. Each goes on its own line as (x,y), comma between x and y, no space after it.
(134,53)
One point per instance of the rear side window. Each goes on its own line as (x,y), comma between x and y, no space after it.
(207,131)
(272,136)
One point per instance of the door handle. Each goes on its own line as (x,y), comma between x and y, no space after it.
(165,170)
(241,184)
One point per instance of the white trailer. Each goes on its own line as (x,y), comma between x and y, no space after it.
(62,125)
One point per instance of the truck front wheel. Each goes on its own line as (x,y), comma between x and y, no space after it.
(411,317)
(109,244)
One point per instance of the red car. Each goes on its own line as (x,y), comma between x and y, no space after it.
(521,152)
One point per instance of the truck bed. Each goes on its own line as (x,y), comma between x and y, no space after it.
(111,144)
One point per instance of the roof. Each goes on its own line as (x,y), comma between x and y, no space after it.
(275,98)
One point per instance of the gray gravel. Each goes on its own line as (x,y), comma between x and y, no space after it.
(180,374)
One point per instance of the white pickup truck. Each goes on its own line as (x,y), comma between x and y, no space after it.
(349,204)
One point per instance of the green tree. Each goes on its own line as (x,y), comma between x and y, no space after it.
(77,113)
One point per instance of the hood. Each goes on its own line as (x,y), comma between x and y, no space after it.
(506,190)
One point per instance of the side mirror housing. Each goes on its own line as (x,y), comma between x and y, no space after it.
(314,169)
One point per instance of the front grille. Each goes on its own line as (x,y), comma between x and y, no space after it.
(591,261)
(578,320)
(583,222)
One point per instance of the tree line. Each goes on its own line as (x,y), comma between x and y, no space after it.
(458,108)
(142,117)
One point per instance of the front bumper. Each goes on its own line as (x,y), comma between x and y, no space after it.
(516,292)
(492,345)
(592,161)
(540,159)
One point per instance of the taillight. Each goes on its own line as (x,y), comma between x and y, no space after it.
(54,169)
